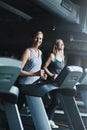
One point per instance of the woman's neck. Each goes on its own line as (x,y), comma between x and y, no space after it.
(61,52)
(60,55)
(35,51)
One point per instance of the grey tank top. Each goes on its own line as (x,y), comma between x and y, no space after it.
(32,65)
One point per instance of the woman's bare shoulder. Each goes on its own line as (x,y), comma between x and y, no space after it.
(52,55)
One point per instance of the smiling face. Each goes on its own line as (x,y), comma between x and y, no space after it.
(37,39)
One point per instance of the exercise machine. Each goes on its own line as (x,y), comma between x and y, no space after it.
(9,71)
(64,85)
(82,87)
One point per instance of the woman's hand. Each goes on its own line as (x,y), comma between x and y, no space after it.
(43,74)
(55,76)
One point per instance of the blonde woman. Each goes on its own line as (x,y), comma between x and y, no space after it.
(53,67)
(55,61)
(31,61)
(31,64)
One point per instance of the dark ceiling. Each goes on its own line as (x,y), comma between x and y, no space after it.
(8,10)
(26,6)
(18,18)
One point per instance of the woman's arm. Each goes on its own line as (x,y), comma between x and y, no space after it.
(47,63)
(24,58)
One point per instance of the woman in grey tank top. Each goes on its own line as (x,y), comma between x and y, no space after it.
(53,67)
(31,65)
(31,61)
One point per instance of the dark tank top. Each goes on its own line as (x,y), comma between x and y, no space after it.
(56,66)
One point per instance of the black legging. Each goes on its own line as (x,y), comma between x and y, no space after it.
(53,105)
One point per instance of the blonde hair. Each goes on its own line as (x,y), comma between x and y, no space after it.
(55,45)
(36,33)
